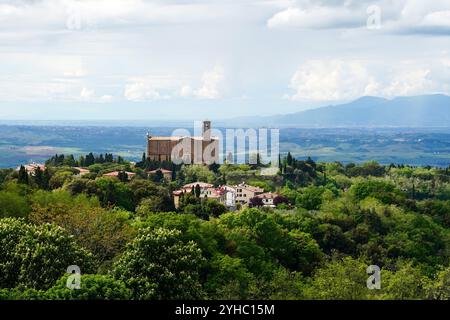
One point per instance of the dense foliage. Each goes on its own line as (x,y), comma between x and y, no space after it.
(331,221)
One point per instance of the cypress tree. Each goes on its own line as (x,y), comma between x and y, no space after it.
(289,159)
(280,166)
(23,175)
(46,178)
(39,177)
(197,191)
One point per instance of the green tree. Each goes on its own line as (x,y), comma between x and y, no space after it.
(289,159)
(158,176)
(155,204)
(382,190)
(13,204)
(36,256)
(310,198)
(203,208)
(92,287)
(406,283)
(101,231)
(197,191)
(339,279)
(23,175)
(143,189)
(122,176)
(226,270)
(439,289)
(38,177)
(59,179)
(159,265)
(111,192)
(194,173)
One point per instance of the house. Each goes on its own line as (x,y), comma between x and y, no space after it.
(116,174)
(203,186)
(177,194)
(222,194)
(81,171)
(229,197)
(31,168)
(245,192)
(187,188)
(267,198)
(167,174)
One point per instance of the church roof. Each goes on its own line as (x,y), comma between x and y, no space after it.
(176,138)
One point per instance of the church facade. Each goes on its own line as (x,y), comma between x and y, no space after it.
(187,149)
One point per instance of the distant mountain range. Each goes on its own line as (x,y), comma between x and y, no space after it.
(417,111)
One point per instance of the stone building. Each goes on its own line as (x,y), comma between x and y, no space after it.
(199,150)
(245,192)
(167,174)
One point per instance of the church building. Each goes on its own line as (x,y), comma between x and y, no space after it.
(198,150)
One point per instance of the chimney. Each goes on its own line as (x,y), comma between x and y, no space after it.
(206,130)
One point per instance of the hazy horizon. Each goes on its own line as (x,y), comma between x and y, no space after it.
(157,121)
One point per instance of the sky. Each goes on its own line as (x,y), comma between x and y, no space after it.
(196,59)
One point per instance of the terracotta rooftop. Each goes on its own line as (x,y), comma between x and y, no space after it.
(201,184)
(250,188)
(116,173)
(32,166)
(162,170)
(267,195)
(175,138)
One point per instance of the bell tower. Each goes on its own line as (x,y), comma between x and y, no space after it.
(206,130)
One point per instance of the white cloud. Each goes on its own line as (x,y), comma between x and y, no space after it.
(141,91)
(89,95)
(211,81)
(211,85)
(332,80)
(338,80)
(316,17)
(438,18)
(153,87)
(92,14)
(186,91)
(409,82)
(401,16)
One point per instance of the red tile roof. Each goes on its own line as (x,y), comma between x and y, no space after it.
(162,170)
(116,173)
(267,195)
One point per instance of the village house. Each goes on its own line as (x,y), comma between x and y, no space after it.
(116,174)
(188,188)
(81,171)
(267,198)
(31,168)
(245,192)
(167,174)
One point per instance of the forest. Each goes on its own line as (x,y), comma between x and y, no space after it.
(130,242)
